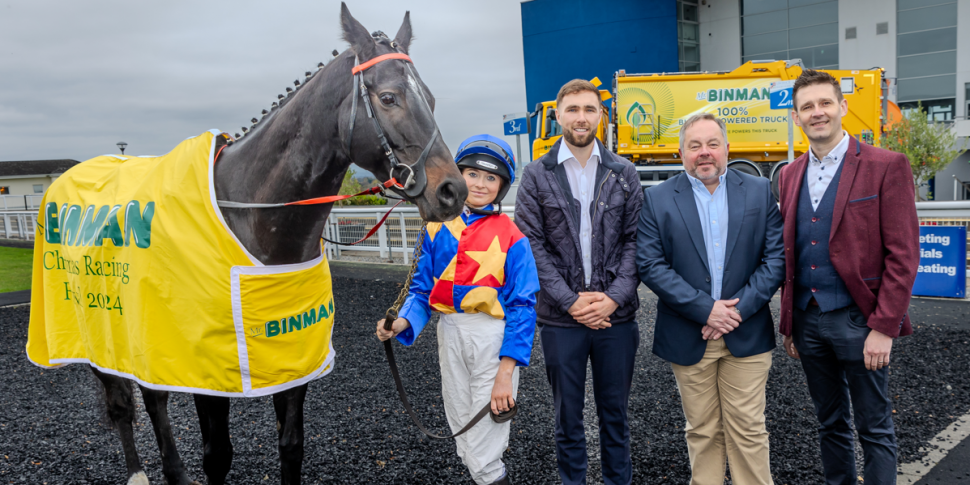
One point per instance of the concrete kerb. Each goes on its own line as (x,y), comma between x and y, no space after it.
(15,298)
(17,243)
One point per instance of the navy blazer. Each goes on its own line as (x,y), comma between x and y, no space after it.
(672,261)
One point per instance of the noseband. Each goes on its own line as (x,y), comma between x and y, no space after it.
(413,179)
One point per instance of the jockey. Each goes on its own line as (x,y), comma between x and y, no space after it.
(478,272)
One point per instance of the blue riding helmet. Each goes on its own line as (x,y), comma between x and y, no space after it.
(486,152)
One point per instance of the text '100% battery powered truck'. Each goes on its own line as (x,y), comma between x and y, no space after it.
(643,115)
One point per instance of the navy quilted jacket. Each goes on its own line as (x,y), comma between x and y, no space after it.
(548,214)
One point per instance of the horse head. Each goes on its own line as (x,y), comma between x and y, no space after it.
(388,122)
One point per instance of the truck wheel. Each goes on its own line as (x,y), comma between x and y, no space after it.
(775,175)
(745,166)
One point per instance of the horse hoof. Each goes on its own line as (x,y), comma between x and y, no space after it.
(138,479)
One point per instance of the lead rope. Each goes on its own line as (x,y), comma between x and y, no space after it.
(389,317)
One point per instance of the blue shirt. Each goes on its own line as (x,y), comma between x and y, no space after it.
(713,211)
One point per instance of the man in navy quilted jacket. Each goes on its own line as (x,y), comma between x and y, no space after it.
(579,205)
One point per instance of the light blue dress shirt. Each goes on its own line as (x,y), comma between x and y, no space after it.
(713,211)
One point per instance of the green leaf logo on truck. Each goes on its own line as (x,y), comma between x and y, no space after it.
(636,114)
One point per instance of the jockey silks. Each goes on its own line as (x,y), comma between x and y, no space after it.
(136,273)
(476,264)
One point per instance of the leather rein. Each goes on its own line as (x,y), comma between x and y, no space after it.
(389,317)
(415,181)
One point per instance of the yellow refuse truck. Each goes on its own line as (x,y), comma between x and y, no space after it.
(647,111)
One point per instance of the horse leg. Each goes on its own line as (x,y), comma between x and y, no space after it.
(156,403)
(289,424)
(121,411)
(216,448)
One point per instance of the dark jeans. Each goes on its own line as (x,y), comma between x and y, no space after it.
(831,349)
(611,353)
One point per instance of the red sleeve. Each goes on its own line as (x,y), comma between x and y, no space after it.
(899,227)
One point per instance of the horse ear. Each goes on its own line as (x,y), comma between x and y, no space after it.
(356,35)
(403,37)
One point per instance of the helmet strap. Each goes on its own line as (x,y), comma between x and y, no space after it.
(484,212)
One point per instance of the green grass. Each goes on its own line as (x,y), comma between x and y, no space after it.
(15,266)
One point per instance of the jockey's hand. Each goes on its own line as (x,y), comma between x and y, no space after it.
(399,325)
(502,397)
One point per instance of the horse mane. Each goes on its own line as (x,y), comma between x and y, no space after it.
(379,38)
(281,99)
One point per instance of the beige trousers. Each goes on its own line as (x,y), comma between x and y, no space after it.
(724,402)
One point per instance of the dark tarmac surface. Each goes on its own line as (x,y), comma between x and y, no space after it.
(14,298)
(357,432)
(955,468)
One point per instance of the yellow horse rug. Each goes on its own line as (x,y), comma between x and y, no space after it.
(137,274)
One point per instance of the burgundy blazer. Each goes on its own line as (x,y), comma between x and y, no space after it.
(874,243)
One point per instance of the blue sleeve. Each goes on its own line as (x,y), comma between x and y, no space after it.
(519,296)
(415,308)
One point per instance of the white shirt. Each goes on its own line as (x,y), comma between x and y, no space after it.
(582,183)
(821,172)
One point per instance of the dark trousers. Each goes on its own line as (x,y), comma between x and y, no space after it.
(831,345)
(611,353)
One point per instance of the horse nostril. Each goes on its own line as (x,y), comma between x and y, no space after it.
(447,194)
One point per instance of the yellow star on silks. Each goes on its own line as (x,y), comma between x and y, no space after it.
(490,262)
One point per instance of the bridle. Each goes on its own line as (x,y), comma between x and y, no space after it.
(414,184)
(413,176)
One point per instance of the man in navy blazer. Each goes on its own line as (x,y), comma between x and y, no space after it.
(709,244)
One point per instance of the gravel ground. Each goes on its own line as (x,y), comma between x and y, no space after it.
(51,430)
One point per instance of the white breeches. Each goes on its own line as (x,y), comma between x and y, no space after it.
(468,350)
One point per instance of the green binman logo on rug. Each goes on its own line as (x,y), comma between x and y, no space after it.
(73,225)
(296,322)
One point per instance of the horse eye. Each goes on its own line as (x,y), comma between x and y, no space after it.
(387,99)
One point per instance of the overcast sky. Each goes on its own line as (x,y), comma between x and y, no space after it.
(77,77)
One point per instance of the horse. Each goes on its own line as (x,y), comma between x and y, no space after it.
(302,149)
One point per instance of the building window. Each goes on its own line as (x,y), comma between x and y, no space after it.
(688,36)
(850,33)
(791,29)
(4,190)
(936,109)
(926,62)
(38,188)
(882,28)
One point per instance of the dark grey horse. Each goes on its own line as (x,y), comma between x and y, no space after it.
(300,150)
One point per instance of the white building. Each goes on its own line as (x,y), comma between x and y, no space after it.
(28,178)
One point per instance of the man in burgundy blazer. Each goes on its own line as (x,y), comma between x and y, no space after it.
(851,253)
